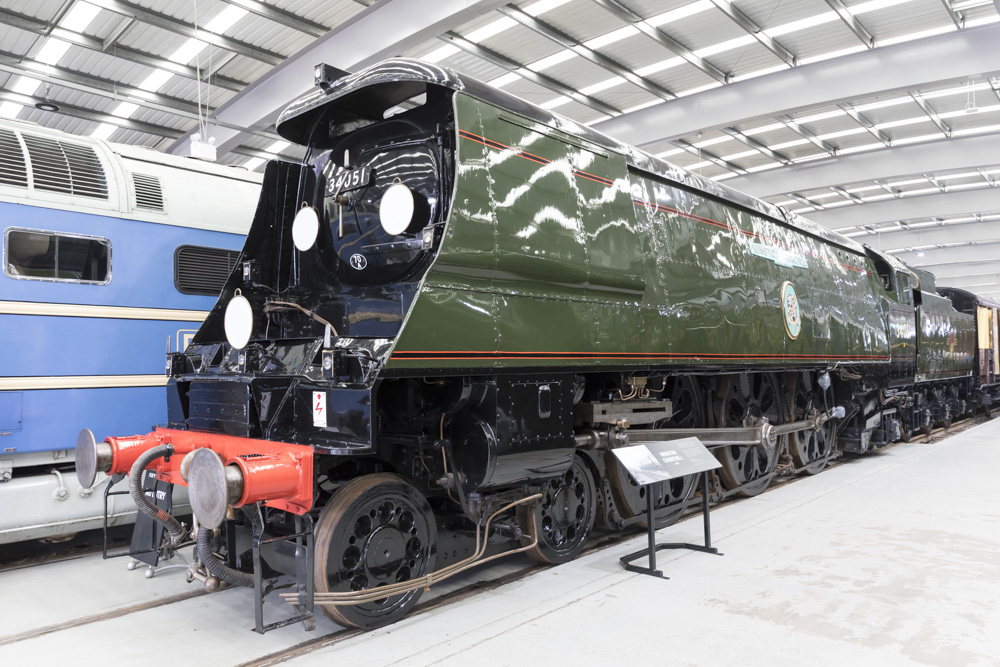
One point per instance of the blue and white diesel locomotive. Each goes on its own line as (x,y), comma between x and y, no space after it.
(110,254)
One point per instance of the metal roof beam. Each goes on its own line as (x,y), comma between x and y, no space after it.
(957,202)
(805,201)
(663,39)
(593,56)
(918,98)
(852,22)
(865,123)
(171,24)
(794,126)
(745,22)
(956,17)
(96,85)
(750,142)
(95,116)
(972,232)
(942,261)
(384,29)
(117,33)
(944,155)
(42,29)
(978,276)
(706,155)
(987,177)
(541,79)
(909,65)
(280,16)
(847,195)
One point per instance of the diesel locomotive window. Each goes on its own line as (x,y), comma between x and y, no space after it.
(41,255)
(382,188)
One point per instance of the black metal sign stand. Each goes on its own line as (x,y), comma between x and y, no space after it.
(654,547)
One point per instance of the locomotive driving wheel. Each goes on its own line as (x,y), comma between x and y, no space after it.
(810,450)
(743,399)
(377,530)
(670,497)
(563,517)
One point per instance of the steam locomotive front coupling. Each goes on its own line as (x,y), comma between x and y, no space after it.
(222,472)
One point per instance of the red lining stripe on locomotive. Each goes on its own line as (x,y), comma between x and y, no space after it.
(469,354)
(607,182)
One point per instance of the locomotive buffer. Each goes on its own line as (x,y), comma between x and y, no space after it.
(653,462)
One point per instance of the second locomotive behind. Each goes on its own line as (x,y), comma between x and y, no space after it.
(447,316)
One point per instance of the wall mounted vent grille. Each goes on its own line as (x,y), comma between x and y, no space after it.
(13,170)
(148,193)
(66,168)
(199,270)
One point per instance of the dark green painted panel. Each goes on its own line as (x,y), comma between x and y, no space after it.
(568,252)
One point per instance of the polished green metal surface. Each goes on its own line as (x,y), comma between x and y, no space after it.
(557,252)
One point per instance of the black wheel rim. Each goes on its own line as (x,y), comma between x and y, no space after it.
(565,513)
(810,450)
(746,398)
(383,535)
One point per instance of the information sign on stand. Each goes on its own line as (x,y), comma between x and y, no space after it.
(652,462)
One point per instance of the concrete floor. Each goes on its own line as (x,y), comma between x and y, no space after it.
(893,559)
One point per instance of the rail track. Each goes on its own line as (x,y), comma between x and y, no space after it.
(599,542)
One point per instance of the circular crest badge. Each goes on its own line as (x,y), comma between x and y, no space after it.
(790,309)
(359,262)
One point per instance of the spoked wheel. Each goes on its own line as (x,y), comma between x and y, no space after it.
(810,450)
(742,398)
(377,530)
(687,412)
(563,517)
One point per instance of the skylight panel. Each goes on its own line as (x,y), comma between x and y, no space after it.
(79,17)
(802,24)
(10,109)
(950,27)
(711,142)
(761,130)
(52,51)
(26,86)
(842,133)
(809,158)
(611,37)
(125,109)
(976,130)
(833,54)
(917,140)
(539,8)
(226,19)
(902,122)
(961,112)
(712,50)
(644,105)
(961,90)
(438,54)
(874,5)
(835,113)
(491,29)
(740,155)
(762,72)
(556,102)
(882,104)
(672,152)
(700,89)
(104,131)
(787,202)
(660,66)
(253,163)
(553,60)
(787,144)
(699,165)
(861,149)
(190,50)
(154,81)
(877,198)
(505,80)
(602,85)
(679,13)
(277,147)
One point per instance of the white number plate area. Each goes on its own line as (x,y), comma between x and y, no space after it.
(319,409)
(351,179)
